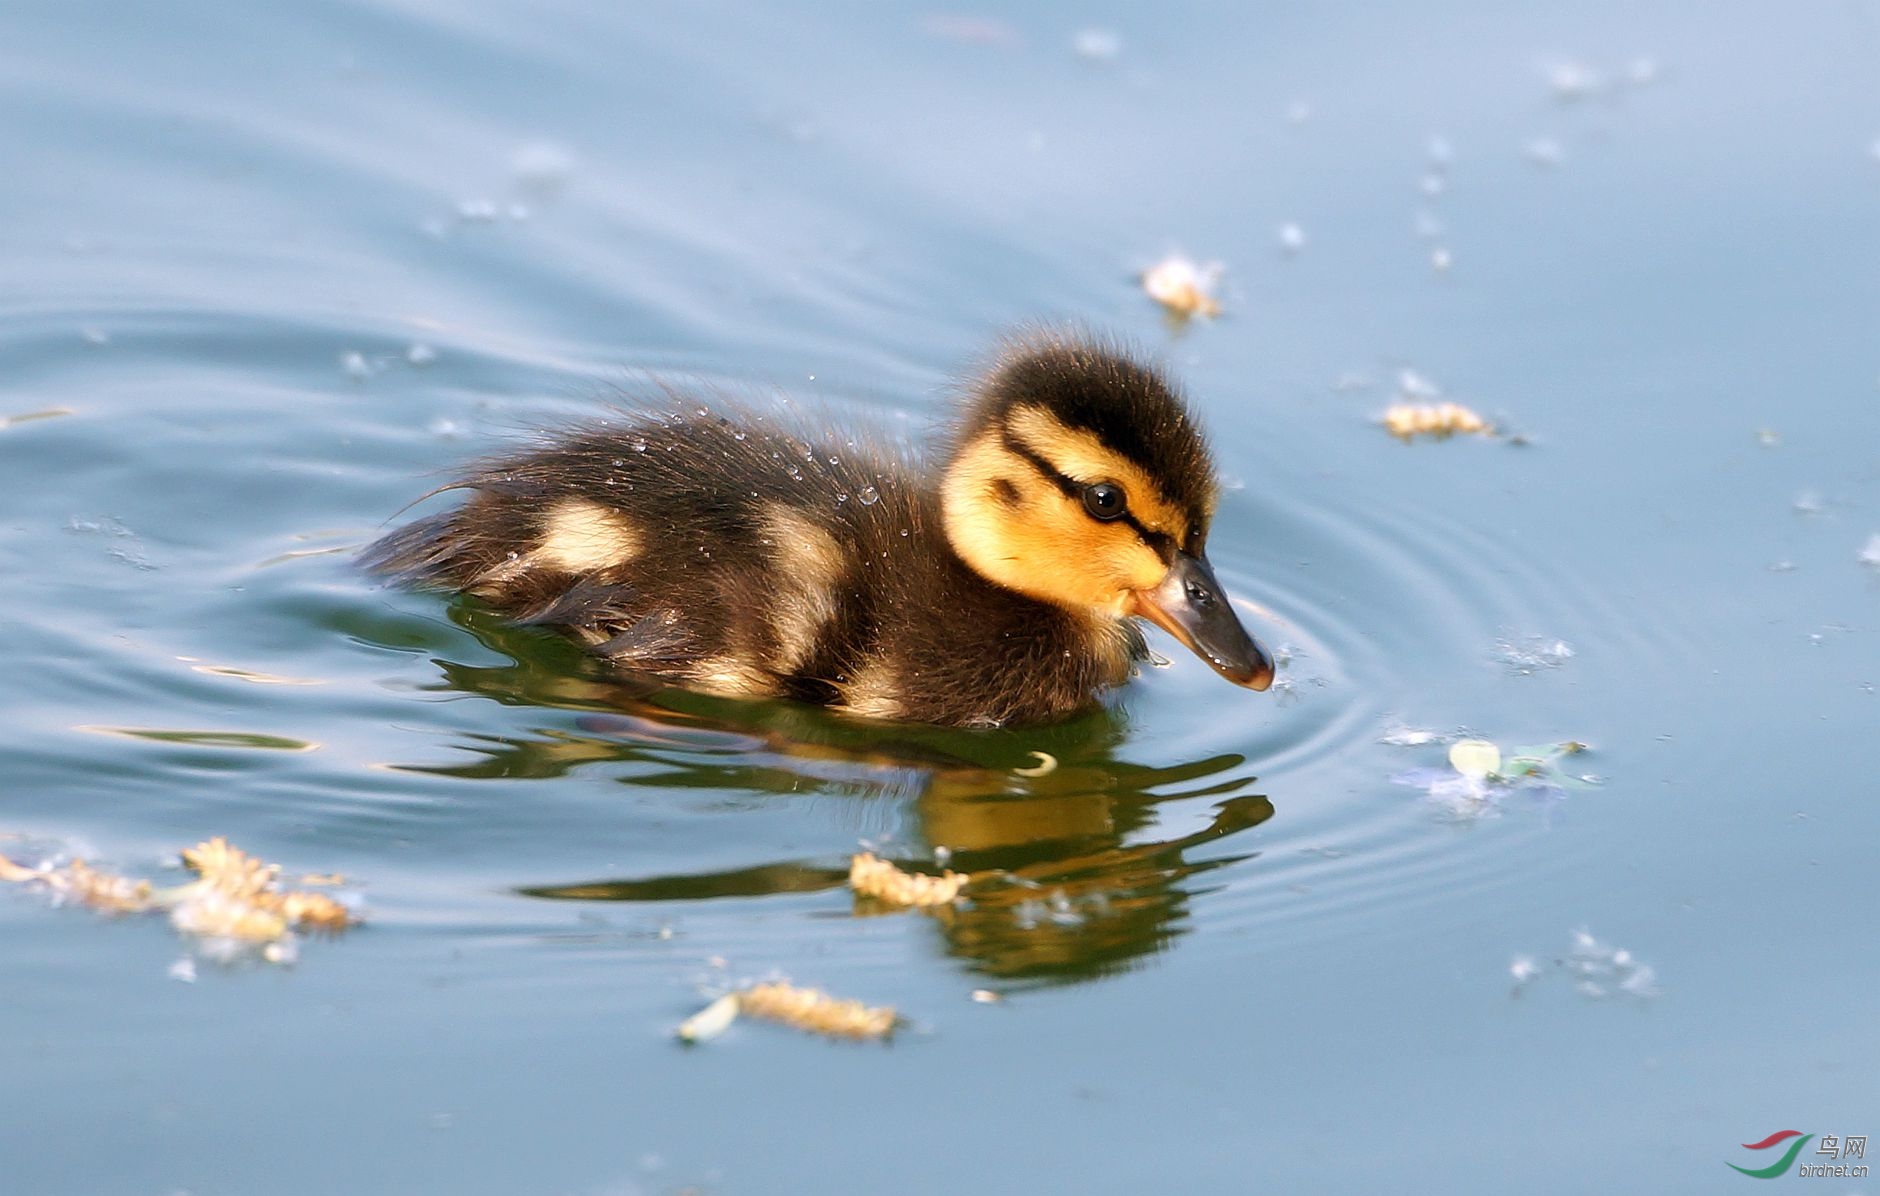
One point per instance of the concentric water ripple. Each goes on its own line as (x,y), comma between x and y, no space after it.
(1364,602)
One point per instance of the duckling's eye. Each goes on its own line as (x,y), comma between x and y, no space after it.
(1105,500)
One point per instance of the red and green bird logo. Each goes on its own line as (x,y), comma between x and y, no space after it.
(1780,1165)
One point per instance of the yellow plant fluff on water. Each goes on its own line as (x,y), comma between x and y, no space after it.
(234,903)
(311,911)
(80,882)
(213,915)
(872,876)
(228,867)
(234,875)
(1406,420)
(101,890)
(815,1011)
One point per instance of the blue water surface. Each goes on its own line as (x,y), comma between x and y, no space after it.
(268,272)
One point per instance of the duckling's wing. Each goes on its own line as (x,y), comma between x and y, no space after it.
(610,616)
(587,601)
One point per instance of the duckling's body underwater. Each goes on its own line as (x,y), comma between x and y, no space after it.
(725,551)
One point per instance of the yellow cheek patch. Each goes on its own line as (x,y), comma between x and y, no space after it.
(1040,541)
(976,512)
(1079,455)
(584,537)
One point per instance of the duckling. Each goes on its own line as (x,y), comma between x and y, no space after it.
(735,553)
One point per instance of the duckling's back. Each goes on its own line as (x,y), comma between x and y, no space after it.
(714,549)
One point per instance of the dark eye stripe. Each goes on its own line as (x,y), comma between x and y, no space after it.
(1020,449)
(1161,542)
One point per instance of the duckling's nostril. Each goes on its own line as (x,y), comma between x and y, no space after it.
(1199,594)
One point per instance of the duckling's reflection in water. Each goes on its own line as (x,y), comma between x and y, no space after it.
(1068,882)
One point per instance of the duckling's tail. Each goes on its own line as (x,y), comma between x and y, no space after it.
(421,553)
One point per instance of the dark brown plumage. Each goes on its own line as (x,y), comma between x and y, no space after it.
(725,550)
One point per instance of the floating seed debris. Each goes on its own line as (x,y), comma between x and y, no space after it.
(711,1021)
(8,421)
(1438,420)
(1184,288)
(807,1009)
(872,876)
(233,907)
(81,883)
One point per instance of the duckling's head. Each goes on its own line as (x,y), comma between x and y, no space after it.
(1079,478)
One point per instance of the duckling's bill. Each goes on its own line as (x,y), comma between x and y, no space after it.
(1190,605)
